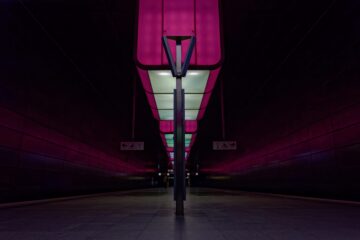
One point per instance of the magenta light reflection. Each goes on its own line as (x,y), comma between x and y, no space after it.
(26,136)
(310,143)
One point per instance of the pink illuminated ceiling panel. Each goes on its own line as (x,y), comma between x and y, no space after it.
(150,30)
(172,149)
(212,80)
(179,17)
(183,11)
(168,126)
(158,18)
(208,50)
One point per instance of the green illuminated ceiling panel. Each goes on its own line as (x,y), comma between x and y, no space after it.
(163,82)
(169,114)
(170,140)
(193,101)
(191,114)
(170,143)
(163,85)
(170,136)
(188,136)
(166,101)
(166,114)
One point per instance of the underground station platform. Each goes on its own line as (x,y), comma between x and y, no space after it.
(179,119)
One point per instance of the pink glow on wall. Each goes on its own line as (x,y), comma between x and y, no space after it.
(25,136)
(309,143)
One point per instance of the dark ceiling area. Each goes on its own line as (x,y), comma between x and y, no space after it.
(279,55)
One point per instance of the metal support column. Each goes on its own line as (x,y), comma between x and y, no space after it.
(179,137)
(179,71)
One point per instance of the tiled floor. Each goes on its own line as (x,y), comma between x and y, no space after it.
(210,214)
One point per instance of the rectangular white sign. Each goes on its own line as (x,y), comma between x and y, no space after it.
(224,145)
(132,146)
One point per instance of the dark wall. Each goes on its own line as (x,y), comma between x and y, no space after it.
(63,110)
(38,161)
(304,144)
(298,124)
(54,142)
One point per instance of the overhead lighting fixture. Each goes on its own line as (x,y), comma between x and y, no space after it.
(155,19)
(163,73)
(193,73)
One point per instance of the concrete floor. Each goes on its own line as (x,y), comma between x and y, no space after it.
(210,214)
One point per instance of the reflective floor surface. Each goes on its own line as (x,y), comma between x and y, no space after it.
(210,214)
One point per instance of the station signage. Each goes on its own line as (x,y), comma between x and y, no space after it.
(224,145)
(132,146)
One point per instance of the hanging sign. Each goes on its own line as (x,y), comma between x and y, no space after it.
(224,145)
(132,146)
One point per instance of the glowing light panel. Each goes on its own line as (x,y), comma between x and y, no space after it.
(163,82)
(199,18)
